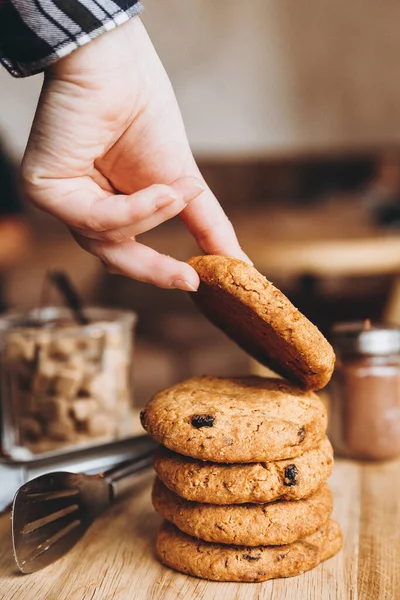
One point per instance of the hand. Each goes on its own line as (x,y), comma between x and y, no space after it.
(108,155)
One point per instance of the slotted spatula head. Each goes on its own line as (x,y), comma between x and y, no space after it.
(51,513)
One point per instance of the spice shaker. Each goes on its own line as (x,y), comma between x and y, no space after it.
(64,385)
(365,391)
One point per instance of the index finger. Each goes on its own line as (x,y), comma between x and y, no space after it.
(211,228)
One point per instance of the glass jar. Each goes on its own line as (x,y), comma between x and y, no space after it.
(64,385)
(365,391)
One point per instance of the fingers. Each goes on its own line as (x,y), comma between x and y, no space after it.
(144,210)
(82,204)
(105,224)
(135,260)
(210,226)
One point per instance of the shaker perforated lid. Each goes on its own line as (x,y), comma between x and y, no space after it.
(366,338)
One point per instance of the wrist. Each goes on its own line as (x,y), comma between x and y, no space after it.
(104,54)
(32,39)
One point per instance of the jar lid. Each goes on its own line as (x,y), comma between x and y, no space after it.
(366,339)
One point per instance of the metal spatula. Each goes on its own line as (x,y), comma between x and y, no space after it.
(52,512)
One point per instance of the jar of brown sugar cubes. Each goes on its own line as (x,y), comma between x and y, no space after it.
(64,385)
(365,391)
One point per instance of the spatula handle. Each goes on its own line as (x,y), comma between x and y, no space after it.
(123,477)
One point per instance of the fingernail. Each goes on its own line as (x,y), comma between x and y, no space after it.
(183,284)
(165,200)
(192,192)
(189,188)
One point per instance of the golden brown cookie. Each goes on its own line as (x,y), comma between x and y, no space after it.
(257,316)
(221,483)
(272,524)
(234,563)
(248,419)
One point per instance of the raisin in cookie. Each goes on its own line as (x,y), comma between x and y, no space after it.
(248,419)
(219,483)
(256,315)
(276,523)
(229,563)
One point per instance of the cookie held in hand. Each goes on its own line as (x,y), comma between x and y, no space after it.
(235,297)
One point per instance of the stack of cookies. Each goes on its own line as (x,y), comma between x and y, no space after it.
(242,470)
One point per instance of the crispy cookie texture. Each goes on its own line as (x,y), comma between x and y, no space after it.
(243,419)
(275,523)
(247,564)
(235,297)
(220,483)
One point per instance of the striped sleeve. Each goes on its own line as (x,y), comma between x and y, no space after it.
(36,33)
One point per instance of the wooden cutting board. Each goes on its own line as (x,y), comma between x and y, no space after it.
(115,560)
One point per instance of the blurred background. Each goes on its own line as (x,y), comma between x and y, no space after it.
(293,113)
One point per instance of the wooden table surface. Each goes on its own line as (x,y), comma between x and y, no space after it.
(115,560)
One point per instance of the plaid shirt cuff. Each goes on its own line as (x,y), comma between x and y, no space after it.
(36,33)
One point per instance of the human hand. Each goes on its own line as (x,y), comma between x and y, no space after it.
(108,155)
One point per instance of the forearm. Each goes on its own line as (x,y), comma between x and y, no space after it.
(36,33)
